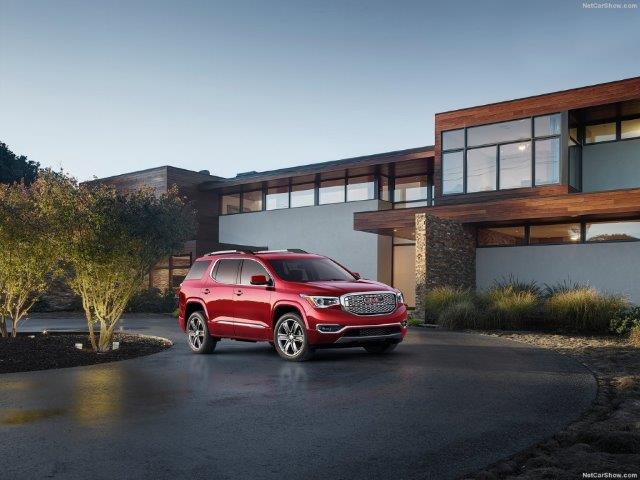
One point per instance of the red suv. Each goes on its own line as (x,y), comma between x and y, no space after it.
(295,300)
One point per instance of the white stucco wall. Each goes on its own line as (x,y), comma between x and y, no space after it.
(324,229)
(609,267)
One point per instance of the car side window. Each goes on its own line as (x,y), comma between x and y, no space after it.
(227,271)
(249,269)
(197,270)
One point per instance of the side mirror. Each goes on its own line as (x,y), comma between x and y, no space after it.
(260,280)
(357,275)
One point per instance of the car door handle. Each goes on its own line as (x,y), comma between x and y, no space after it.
(206,291)
(238,292)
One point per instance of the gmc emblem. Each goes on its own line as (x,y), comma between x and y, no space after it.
(374,300)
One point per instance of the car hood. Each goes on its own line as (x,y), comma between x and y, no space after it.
(340,288)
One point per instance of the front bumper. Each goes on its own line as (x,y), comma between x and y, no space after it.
(390,327)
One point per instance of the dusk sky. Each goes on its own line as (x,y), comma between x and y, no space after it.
(106,87)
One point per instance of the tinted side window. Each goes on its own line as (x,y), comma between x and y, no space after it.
(197,270)
(227,271)
(250,268)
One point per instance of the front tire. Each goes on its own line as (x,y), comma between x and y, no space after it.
(290,338)
(199,339)
(380,348)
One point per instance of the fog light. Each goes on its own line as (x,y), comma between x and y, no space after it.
(329,328)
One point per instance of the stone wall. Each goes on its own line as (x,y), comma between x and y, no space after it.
(445,256)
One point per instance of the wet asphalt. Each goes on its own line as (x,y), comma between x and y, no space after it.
(442,405)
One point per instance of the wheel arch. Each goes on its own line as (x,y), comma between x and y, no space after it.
(194,305)
(281,308)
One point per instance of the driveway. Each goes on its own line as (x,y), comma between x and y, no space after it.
(443,404)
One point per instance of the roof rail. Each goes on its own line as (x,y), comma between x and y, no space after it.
(288,250)
(222,252)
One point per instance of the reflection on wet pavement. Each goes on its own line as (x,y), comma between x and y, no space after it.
(13,417)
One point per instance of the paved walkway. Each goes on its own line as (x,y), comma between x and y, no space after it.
(441,405)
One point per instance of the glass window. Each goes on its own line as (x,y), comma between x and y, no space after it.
(310,270)
(613,231)
(501,236)
(453,139)
(547,125)
(331,191)
(452,172)
(573,136)
(252,201)
(481,169)
(547,161)
(423,203)
(360,188)
(499,132)
(303,195)
(384,188)
(408,189)
(277,197)
(198,269)
(559,233)
(600,133)
(227,271)
(249,269)
(515,165)
(630,128)
(230,204)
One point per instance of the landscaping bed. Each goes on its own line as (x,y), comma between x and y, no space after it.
(29,352)
(606,439)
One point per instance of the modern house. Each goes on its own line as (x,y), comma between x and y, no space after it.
(543,188)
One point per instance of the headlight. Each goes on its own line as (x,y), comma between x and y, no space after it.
(399,298)
(321,302)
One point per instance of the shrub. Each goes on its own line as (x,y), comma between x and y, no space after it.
(625,321)
(634,336)
(512,307)
(153,300)
(562,287)
(583,309)
(460,314)
(513,284)
(414,322)
(439,298)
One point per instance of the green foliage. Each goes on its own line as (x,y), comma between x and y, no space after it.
(15,168)
(625,320)
(634,336)
(583,309)
(460,314)
(513,284)
(512,306)
(562,287)
(414,322)
(438,299)
(153,300)
(29,245)
(112,239)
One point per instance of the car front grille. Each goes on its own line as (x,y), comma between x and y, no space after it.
(371,331)
(375,303)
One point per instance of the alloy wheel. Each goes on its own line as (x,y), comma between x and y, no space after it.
(196,332)
(290,337)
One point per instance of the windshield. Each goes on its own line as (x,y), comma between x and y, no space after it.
(310,270)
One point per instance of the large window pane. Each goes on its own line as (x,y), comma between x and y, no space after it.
(613,231)
(630,128)
(277,197)
(360,188)
(409,189)
(600,133)
(230,204)
(515,165)
(302,195)
(560,233)
(385,193)
(452,169)
(499,132)
(547,125)
(500,236)
(252,201)
(331,191)
(481,169)
(453,139)
(547,161)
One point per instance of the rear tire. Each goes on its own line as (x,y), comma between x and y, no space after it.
(290,338)
(380,348)
(198,337)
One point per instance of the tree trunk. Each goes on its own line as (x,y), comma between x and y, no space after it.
(14,328)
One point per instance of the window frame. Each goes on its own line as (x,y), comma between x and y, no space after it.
(618,123)
(239,276)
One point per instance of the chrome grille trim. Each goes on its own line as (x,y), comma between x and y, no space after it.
(357,304)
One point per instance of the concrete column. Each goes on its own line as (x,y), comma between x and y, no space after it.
(445,256)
